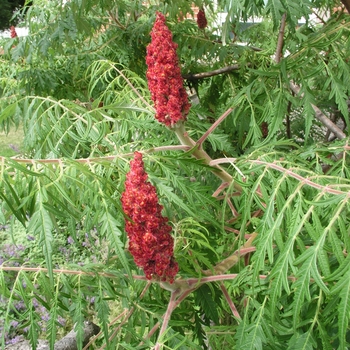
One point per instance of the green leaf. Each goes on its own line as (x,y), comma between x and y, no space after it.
(302,342)
(110,227)
(342,288)
(205,299)
(41,225)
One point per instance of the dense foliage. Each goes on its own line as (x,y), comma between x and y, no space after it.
(9,8)
(255,182)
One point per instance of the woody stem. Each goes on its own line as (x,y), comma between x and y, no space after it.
(199,153)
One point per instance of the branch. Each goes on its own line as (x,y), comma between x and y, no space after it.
(226,69)
(200,154)
(303,180)
(230,302)
(321,117)
(226,264)
(296,89)
(280,40)
(115,19)
(166,318)
(95,159)
(213,127)
(126,318)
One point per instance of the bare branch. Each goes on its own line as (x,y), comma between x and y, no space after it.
(280,40)
(321,117)
(212,73)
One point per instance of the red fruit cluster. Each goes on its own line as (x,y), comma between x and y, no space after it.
(13,32)
(164,75)
(201,19)
(150,242)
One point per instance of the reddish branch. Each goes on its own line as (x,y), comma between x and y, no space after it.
(301,179)
(229,301)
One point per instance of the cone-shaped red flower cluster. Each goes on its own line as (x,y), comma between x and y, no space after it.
(13,32)
(164,76)
(201,19)
(150,242)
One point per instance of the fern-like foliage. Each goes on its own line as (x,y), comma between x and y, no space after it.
(263,255)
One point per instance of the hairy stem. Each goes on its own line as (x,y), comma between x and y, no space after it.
(301,179)
(230,302)
(166,318)
(186,140)
(227,263)
(95,159)
(213,127)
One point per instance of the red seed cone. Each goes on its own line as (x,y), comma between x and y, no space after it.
(201,19)
(164,75)
(150,242)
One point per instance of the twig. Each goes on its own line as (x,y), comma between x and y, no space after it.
(296,89)
(93,339)
(224,265)
(319,17)
(116,20)
(280,39)
(166,318)
(67,272)
(213,127)
(303,180)
(134,89)
(95,159)
(151,332)
(229,301)
(220,189)
(212,73)
(222,161)
(200,154)
(288,128)
(233,209)
(321,117)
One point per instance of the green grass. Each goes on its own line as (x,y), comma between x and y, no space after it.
(11,143)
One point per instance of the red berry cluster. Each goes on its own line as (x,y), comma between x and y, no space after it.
(150,242)
(164,76)
(201,19)
(13,32)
